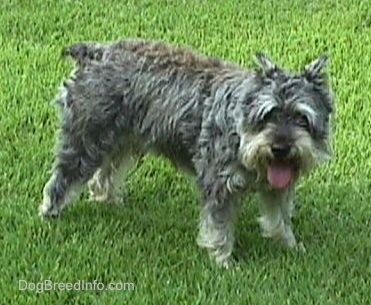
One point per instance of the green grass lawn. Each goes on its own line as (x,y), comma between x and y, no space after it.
(151,240)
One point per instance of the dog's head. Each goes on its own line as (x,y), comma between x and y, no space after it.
(284,121)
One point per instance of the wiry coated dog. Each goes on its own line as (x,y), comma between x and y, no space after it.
(233,129)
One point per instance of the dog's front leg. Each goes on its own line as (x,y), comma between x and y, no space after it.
(216,230)
(276,209)
(218,212)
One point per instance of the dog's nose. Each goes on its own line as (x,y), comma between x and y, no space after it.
(280,150)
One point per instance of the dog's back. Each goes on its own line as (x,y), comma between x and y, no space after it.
(156,90)
(153,51)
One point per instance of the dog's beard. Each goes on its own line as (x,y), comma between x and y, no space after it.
(255,153)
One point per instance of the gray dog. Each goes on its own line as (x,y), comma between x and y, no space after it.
(232,129)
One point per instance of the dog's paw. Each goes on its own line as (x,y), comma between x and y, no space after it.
(222,260)
(93,197)
(104,192)
(228,263)
(46,212)
(46,209)
(300,248)
(97,192)
(117,198)
(297,247)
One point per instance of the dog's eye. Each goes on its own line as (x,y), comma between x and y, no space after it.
(302,121)
(268,116)
(271,115)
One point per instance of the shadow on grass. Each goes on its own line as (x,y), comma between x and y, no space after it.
(322,214)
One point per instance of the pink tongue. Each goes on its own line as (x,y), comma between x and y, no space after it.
(279,176)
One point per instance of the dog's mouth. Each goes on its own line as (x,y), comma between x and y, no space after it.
(280,175)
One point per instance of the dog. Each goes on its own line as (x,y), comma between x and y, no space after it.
(233,129)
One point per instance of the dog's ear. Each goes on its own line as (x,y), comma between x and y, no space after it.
(314,70)
(265,63)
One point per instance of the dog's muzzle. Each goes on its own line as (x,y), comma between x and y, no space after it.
(280,150)
(280,171)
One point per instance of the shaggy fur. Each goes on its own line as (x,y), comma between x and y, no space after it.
(232,129)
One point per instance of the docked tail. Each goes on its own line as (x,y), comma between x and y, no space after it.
(84,52)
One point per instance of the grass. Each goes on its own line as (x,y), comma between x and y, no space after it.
(151,241)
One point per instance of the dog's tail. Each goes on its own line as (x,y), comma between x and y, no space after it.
(84,52)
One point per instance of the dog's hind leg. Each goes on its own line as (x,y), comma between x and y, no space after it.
(74,166)
(80,152)
(107,182)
